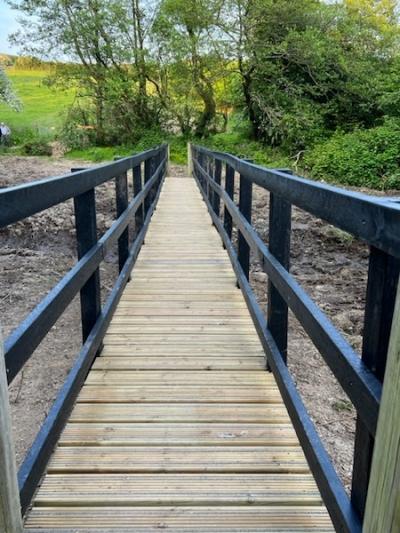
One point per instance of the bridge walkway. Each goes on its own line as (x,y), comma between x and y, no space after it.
(178,425)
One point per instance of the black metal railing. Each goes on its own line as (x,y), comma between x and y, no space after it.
(374,220)
(19,202)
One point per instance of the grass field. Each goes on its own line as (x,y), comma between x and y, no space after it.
(43,107)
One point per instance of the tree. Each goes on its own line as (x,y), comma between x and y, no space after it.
(102,43)
(7,94)
(308,67)
(186,29)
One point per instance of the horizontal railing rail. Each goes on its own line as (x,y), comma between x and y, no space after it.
(375,220)
(19,202)
(28,199)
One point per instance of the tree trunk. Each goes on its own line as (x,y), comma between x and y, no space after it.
(210,109)
(100,133)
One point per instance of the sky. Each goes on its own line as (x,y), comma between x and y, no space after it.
(8,24)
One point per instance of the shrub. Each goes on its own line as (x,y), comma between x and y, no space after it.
(76,133)
(178,149)
(362,158)
(238,143)
(36,147)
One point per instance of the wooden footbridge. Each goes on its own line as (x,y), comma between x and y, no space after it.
(180,412)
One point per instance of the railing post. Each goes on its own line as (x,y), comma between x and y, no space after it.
(137,187)
(383,275)
(189,159)
(280,223)
(154,167)
(210,173)
(230,189)
(121,192)
(245,200)
(200,160)
(10,508)
(86,233)
(148,166)
(383,502)
(217,179)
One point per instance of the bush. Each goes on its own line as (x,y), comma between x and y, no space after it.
(38,147)
(178,149)
(363,158)
(76,133)
(239,144)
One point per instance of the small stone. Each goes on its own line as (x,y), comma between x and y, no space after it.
(260,276)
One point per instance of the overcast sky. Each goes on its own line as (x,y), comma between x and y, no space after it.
(8,24)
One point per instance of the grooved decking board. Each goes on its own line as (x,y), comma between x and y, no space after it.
(180,412)
(178,489)
(176,377)
(186,350)
(119,459)
(179,363)
(179,393)
(299,519)
(179,426)
(178,434)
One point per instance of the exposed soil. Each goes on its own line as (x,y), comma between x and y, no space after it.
(34,256)
(332,267)
(35,253)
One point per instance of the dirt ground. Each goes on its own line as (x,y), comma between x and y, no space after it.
(35,254)
(332,267)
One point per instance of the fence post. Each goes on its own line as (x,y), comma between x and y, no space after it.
(137,187)
(10,508)
(189,159)
(217,179)
(229,188)
(200,160)
(383,501)
(383,275)
(280,223)
(154,166)
(245,199)
(210,172)
(121,193)
(86,234)
(148,166)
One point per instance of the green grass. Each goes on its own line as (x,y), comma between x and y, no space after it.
(97,154)
(43,107)
(239,144)
(236,144)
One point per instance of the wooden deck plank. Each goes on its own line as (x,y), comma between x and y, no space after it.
(228,458)
(168,320)
(229,378)
(177,489)
(193,434)
(180,412)
(218,339)
(178,393)
(178,363)
(188,351)
(179,426)
(300,519)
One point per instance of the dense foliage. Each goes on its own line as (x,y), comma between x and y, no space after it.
(365,157)
(309,79)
